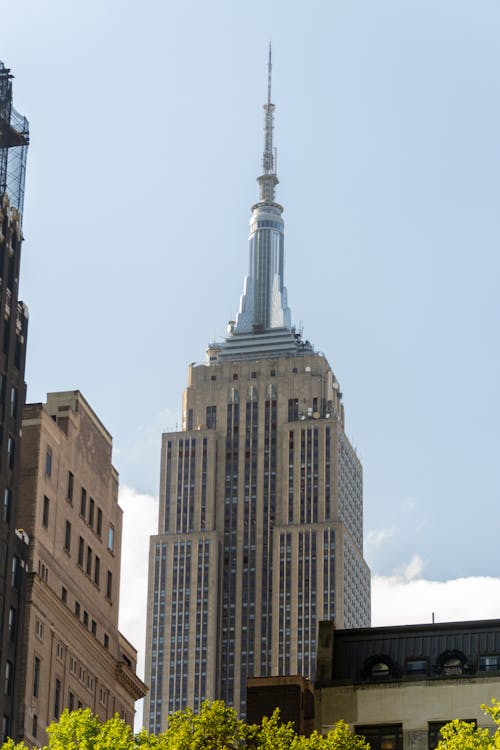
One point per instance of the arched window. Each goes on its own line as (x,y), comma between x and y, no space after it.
(452,663)
(271,392)
(234,396)
(380,667)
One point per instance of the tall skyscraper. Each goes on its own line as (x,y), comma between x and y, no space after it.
(14,138)
(260,530)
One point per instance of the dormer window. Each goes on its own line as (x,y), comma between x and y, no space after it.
(452,667)
(452,664)
(380,669)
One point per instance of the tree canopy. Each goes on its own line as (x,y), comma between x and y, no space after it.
(215,727)
(462,735)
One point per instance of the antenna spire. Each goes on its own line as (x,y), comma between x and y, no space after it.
(269,75)
(268,180)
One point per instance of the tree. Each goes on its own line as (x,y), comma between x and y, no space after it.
(462,735)
(215,727)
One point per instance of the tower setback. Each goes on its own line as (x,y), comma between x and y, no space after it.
(260,531)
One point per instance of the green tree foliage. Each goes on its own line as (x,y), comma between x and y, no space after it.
(215,727)
(462,735)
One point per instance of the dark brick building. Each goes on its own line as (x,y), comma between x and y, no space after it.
(14,136)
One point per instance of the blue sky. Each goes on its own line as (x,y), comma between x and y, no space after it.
(146,136)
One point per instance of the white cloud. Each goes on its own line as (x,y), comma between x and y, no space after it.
(402,600)
(376,537)
(414,568)
(140,520)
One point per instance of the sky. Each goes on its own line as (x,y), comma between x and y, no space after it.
(146,137)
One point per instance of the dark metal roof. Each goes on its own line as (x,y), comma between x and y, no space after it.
(355,650)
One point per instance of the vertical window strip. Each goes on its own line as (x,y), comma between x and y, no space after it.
(269,510)
(168,489)
(327,473)
(229,553)
(203,504)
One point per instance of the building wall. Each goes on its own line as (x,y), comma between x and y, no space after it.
(412,705)
(399,683)
(69,510)
(260,532)
(13,333)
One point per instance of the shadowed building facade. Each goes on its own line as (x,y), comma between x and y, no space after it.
(14,139)
(261,505)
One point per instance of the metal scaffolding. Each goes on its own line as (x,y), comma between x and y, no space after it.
(14,140)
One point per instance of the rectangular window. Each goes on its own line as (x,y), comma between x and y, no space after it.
(9,670)
(15,572)
(106,640)
(85,618)
(91,512)
(77,609)
(211,417)
(94,627)
(45,514)
(57,698)
(5,726)
(67,537)
(11,447)
(12,624)
(388,737)
(489,663)
(109,585)
(416,666)
(71,701)
(39,629)
(81,549)
(89,561)
(7,504)
(111,538)
(293,409)
(34,726)
(60,652)
(64,595)
(72,665)
(36,677)
(48,462)
(83,502)
(69,495)
(97,570)
(99,522)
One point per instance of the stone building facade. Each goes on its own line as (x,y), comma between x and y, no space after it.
(73,653)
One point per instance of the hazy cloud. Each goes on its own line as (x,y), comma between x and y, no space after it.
(402,600)
(376,537)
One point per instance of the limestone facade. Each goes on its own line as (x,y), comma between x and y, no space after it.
(73,653)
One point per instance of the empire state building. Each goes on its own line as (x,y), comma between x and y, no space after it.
(260,532)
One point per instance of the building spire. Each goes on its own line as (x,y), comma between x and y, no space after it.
(263,326)
(268,180)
